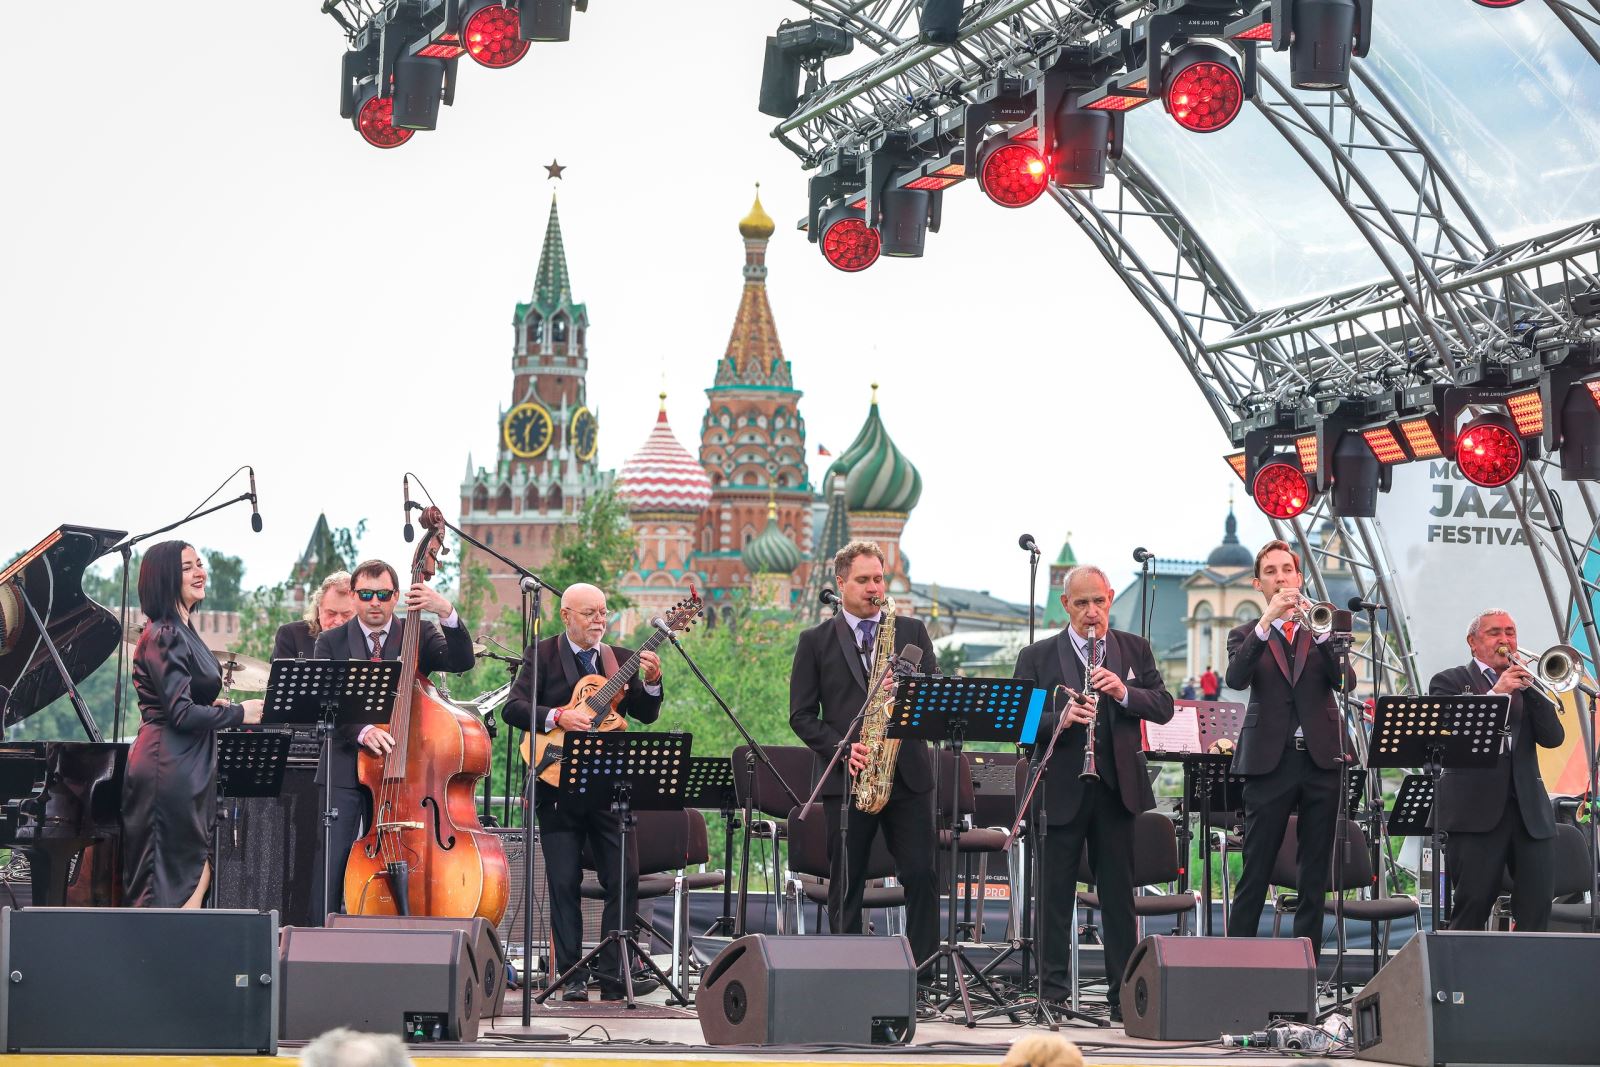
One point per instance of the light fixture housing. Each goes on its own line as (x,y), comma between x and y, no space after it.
(1489,452)
(846,241)
(1322,38)
(374,119)
(1204,90)
(904,216)
(418,90)
(492,33)
(1281,489)
(1012,173)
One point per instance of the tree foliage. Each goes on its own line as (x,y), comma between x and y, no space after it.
(597,549)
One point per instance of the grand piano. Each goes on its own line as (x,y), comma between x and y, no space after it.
(60,801)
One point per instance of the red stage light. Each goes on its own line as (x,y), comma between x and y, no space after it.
(1488,452)
(493,36)
(1204,90)
(1594,391)
(1420,438)
(1281,490)
(1263,32)
(849,244)
(1236,460)
(1013,175)
(1384,445)
(1527,411)
(375,120)
(1497,3)
(1307,448)
(448,46)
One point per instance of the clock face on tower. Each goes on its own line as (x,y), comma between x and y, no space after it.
(585,434)
(527,430)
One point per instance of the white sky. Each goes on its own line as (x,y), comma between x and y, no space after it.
(205,266)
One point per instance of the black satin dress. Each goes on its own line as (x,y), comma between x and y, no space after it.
(169,796)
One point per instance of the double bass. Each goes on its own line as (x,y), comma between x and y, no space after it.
(427,853)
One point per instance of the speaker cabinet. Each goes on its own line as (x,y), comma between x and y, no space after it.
(510,928)
(763,990)
(267,849)
(1460,997)
(1197,988)
(97,980)
(419,984)
(488,958)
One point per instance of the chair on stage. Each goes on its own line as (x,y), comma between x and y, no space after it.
(1357,875)
(663,839)
(766,796)
(808,866)
(1572,878)
(978,843)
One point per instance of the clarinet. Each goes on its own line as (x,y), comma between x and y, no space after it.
(1089,773)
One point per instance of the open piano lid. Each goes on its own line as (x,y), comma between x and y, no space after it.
(85,633)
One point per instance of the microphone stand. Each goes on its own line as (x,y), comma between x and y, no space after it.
(1033,582)
(126,549)
(1341,833)
(756,752)
(1146,608)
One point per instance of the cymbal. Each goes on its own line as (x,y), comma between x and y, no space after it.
(479,648)
(242,672)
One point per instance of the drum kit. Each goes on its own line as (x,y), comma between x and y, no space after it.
(240,673)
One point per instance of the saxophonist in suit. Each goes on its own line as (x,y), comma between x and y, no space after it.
(829,682)
(1123,686)
(1499,818)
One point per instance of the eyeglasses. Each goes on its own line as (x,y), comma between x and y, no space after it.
(592,614)
(383,596)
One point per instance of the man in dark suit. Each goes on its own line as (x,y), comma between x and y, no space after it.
(565,659)
(1499,817)
(828,684)
(1128,687)
(332,605)
(375,634)
(1292,747)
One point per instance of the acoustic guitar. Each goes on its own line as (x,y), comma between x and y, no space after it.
(602,695)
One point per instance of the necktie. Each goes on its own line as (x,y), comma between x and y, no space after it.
(1491,674)
(586,659)
(1288,631)
(865,629)
(377,646)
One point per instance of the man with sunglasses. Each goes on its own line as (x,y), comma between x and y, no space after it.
(375,634)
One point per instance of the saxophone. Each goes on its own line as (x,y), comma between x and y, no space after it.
(872,785)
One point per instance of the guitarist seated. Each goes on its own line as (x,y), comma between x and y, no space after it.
(565,661)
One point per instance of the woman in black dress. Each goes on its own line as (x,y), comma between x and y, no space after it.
(169,798)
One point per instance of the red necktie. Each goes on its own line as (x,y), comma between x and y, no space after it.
(377,647)
(1288,632)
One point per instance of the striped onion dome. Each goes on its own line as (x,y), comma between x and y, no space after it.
(771,552)
(880,478)
(662,475)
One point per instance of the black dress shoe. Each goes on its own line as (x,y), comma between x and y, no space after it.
(642,987)
(1116,1015)
(576,989)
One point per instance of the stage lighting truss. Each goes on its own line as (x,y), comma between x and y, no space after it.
(401,61)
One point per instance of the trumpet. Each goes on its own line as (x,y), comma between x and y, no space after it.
(1559,669)
(1315,615)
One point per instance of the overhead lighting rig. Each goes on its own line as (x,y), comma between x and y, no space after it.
(798,46)
(401,63)
(1321,37)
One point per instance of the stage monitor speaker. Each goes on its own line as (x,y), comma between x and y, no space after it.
(1198,988)
(1460,997)
(763,990)
(97,980)
(418,984)
(488,958)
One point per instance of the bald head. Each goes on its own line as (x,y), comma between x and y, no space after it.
(583,613)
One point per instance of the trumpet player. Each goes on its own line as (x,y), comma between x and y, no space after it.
(1290,747)
(832,676)
(1092,798)
(1498,818)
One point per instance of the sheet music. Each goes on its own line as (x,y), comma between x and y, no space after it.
(1181,734)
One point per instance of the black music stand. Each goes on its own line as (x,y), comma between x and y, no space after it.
(630,772)
(1436,732)
(711,788)
(326,694)
(1412,815)
(250,763)
(953,711)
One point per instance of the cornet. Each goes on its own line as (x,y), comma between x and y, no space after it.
(1558,670)
(1315,616)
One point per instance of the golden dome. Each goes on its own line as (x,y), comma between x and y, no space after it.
(757,224)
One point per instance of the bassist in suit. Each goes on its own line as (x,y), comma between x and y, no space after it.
(1291,747)
(1499,817)
(1128,688)
(375,634)
(564,660)
(827,686)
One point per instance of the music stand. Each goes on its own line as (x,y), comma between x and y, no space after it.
(1436,732)
(952,711)
(711,788)
(632,772)
(326,694)
(250,763)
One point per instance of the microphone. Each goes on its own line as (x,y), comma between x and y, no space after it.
(1027,544)
(255,514)
(1143,555)
(527,585)
(409,532)
(1357,604)
(828,596)
(908,660)
(1343,622)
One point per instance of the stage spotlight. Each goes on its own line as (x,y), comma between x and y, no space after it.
(1281,489)
(546,20)
(1011,173)
(418,88)
(1085,139)
(939,21)
(1320,43)
(847,242)
(1204,91)
(1358,474)
(1488,451)
(1421,433)
(492,33)
(903,221)
(1497,3)
(374,119)
(1580,432)
(1239,462)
